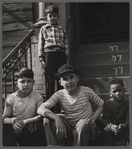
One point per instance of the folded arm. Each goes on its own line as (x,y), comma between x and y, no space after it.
(32,120)
(60,128)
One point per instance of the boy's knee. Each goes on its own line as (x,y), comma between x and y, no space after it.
(82,128)
(90,130)
(86,130)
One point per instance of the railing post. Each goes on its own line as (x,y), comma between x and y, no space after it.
(5,93)
(30,52)
(41,9)
(42,19)
(12,78)
(25,59)
(19,62)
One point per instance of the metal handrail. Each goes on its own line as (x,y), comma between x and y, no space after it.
(20,44)
(11,59)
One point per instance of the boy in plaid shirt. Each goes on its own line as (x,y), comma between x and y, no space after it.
(51,49)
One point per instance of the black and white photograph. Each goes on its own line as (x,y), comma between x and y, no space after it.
(65,74)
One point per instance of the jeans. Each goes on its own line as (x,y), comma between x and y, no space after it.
(110,139)
(32,135)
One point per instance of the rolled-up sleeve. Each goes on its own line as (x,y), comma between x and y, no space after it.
(96,99)
(8,108)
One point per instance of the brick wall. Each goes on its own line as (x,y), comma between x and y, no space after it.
(37,67)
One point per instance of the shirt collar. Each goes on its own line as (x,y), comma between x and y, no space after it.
(17,94)
(49,25)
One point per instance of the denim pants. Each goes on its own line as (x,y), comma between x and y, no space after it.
(32,135)
(76,135)
(110,139)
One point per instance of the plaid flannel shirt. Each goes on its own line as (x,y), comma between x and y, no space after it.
(49,37)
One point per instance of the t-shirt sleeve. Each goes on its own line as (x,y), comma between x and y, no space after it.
(96,99)
(8,107)
(40,100)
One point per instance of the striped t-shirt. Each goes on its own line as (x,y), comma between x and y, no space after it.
(75,108)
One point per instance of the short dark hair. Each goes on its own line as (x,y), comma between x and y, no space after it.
(24,72)
(117,81)
(52,8)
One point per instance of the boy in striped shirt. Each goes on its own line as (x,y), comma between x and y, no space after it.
(77,126)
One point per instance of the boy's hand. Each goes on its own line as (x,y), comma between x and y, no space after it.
(60,128)
(120,128)
(18,125)
(114,128)
(43,63)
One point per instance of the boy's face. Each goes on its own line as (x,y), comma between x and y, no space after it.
(69,81)
(117,91)
(25,85)
(52,17)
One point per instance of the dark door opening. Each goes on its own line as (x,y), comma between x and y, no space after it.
(101,22)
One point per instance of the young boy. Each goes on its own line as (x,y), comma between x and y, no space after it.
(51,49)
(116,114)
(22,126)
(77,126)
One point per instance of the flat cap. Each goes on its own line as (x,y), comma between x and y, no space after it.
(67,68)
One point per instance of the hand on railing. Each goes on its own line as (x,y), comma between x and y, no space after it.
(44,68)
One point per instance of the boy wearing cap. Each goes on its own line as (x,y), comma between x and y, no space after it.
(77,126)
(51,49)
